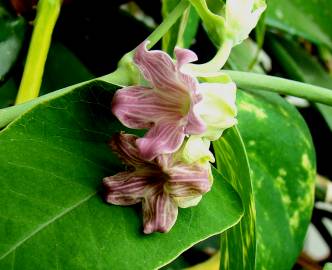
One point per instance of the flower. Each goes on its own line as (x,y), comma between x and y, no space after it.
(241,17)
(166,108)
(218,109)
(162,185)
(196,150)
(231,24)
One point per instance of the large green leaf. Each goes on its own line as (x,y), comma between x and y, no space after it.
(282,163)
(310,19)
(238,244)
(183,32)
(52,161)
(300,65)
(12,30)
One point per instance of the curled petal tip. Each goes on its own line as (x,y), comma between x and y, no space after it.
(184,56)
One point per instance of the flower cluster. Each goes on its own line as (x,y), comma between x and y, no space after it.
(168,167)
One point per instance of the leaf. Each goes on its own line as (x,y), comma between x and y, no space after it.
(184,31)
(52,161)
(309,19)
(62,69)
(12,31)
(243,55)
(238,244)
(328,266)
(282,163)
(55,75)
(300,65)
(8,93)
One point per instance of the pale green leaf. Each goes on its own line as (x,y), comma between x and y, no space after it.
(238,244)
(282,163)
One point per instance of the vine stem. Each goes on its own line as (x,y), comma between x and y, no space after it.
(215,64)
(170,20)
(153,38)
(253,81)
(47,15)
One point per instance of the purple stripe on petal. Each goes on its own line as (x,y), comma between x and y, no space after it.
(186,181)
(161,139)
(159,213)
(133,106)
(141,107)
(158,68)
(162,185)
(124,188)
(124,145)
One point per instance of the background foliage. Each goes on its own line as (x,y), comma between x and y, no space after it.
(54,155)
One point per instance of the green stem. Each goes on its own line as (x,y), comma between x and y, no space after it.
(126,61)
(47,14)
(169,21)
(215,64)
(253,81)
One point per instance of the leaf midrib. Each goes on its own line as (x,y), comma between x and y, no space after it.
(44,225)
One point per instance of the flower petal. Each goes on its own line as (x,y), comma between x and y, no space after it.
(184,56)
(159,212)
(185,202)
(141,107)
(195,124)
(157,67)
(196,150)
(188,181)
(124,145)
(242,16)
(218,108)
(136,106)
(125,188)
(163,138)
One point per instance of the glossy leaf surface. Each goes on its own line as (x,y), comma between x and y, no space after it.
(309,19)
(282,162)
(238,244)
(53,159)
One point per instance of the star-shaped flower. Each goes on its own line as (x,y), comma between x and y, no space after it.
(162,185)
(166,107)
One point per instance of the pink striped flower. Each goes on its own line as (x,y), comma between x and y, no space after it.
(166,107)
(162,185)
